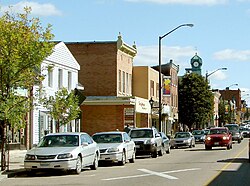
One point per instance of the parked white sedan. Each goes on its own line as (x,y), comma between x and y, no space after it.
(65,151)
(115,147)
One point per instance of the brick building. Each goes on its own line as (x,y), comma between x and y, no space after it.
(106,73)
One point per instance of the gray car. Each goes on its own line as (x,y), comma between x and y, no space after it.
(235,131)
(147,141)
(182,139)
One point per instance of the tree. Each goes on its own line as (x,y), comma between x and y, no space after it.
(195,101)
(24,44)
(63,107)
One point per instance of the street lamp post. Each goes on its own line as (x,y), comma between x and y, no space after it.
(151,102)
(236,84)
(207,75)
(160,86)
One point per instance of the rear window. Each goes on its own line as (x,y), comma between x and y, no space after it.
(144,133)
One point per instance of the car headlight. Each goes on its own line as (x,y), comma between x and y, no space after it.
(113,150)
(208,138)
(225,138)
(65,156)
(148,142)
(30,157)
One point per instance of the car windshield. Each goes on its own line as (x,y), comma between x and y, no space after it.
(232,127)
(182,135)
(198,132)
(218,131)
(141,133)
(107,138)
(59,141)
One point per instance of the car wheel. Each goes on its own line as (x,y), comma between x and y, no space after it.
(239,140)
(132,160)
(160,152)
(95,163)
(123,160)
(168,151)
(154,154)
(208,147)
(78,165)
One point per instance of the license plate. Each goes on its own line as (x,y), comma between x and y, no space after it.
(137,146)
(216,143)
(44,164)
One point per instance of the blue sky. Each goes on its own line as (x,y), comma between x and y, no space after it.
(220,36)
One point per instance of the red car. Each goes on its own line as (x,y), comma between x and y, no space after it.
(218,137)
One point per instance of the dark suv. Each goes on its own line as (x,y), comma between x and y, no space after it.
(147,141)
(235,131)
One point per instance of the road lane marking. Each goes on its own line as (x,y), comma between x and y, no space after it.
(225,167)
(158,174)
(154,173)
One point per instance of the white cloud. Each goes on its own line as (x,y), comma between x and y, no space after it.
(230,54)
(190,2)
(46,9)
(149,55)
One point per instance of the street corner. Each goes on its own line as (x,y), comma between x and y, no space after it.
(12,173)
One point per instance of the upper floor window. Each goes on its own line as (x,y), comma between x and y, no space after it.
(152,88)
(50,77)
(123,82)
(60,78)
(120,81)
(69,80)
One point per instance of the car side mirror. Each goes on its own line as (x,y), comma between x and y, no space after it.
(84,144)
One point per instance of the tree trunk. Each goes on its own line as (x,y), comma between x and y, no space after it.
(3,145)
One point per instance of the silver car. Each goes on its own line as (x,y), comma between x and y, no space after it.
(64,151)
(182,139)
(115,147)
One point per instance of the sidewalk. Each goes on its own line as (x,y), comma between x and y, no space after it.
(16,163)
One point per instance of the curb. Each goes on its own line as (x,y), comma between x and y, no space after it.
(12,173)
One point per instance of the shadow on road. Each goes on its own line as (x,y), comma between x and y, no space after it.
(239,177)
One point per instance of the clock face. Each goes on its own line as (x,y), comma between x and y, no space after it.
(196,64)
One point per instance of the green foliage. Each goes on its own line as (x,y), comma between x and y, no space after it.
(24,44)
(195,101)
(63,107)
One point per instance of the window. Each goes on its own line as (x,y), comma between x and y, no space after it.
(120,81)
(50,77)
(127,84)
(151,88)
(69,80)
(123,82)
(157,90)
(60,78)
(130,84)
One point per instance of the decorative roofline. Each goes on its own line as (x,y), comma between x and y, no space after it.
(125,47)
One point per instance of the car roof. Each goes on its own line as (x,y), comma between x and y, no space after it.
(220,128)
(65,133)
(110,132)
(143,128)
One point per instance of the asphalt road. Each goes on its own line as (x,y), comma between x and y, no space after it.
(185,166)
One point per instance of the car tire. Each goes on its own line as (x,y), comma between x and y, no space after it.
(208,147)
(239,140)
(78,169)
(94,166)
(154,154)
(132,160)
(168,150)
(123,160)
(160,152)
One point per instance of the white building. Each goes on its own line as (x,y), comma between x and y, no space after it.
(64,73)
